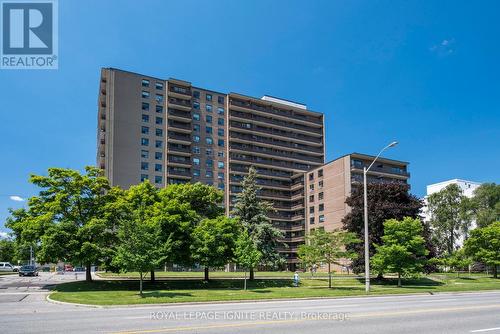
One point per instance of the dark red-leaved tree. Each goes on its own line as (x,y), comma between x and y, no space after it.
(385,201)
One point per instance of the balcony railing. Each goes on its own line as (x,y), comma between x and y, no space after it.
(276,163)
(268,120)
(273,152)
(261,171)
(275,142)
(274,132)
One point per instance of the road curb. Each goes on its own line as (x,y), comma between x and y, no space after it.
(253,301)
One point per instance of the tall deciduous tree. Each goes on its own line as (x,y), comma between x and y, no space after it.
(309,257)
(66,218)
(214,242)
(246,253)
(331,247)
(385,201)
(450,217)
(486,204)
(7,250)
(402,250)
(484,246)
(253,213)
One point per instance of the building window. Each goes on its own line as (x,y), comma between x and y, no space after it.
(399,170)
(311,198)
(220,186)
(321,207)
(311,176)
(209,152)
(311,186)
(196,116)
(357,163)
(196,138)
(144,177)
(220,154)
(158,143)
(321,218)
(144,165)
(145,106)
(208,130)
(209,163)
(311,209)
(220,121)
(144,154)
(220,132)
(159,120)
(208,118)
(158,179)
(220,142)
(220,164)
(159,132)
(196,94)
(209,173)
(320,196)
(196,161)
(220,111)
(320,173)
(209,140)
(220,176)
(144,141)
(196,105)
(158,167)
(311,221)
(196,127)
(320,184)
(145,83)
(220,99)
(145,118)
(196,150)
(144,130)
(159,85)
(145,94)
(159,109)
(159,98)
(196,172)
(208,97)
(158,155)
(208,107)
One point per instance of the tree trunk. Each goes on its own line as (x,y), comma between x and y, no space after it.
(206,274)
(88,273)
(399,280)
(252,275)
(152,276)
(495,271)
(245,281)
(329,276)
(140,283)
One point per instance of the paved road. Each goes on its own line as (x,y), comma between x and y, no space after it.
(23,309)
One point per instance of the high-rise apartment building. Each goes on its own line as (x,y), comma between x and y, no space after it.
(328,186)
(169,131)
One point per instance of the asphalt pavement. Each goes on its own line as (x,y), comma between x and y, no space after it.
(24,309)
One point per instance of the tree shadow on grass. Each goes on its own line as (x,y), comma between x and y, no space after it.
(410,282)
(163,294)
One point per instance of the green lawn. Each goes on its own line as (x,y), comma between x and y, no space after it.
(7,273)
(214,274)
(120,292)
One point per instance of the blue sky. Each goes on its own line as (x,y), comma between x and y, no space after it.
(425,73)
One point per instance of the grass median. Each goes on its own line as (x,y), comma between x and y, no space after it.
(122,292)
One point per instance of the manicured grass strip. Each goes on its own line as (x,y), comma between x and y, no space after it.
(217,274)
(118,292)
(7,273)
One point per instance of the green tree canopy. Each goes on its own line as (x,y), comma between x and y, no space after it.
(402,250)
(486,204)
(214,242)
(450,217)
(385,201)
(483,245)
(246,253)
(253,214)
(309,257)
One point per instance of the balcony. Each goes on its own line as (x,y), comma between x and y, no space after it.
(179,173)
(183,138)
(179,115)
(275,142)
(278,163)
(275,111)
(178,91)
(267,120)
(180,103)
(273,152)
(180,126)
(260,172)
(179,149)
(287,135)
(177,160)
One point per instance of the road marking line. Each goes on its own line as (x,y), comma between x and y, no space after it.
(257,323)
(485,330)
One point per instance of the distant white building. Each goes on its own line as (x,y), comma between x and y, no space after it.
(467,187)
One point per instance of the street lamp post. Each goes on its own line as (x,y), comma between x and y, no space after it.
(365,196)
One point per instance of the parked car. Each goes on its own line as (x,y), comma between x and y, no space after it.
(6,266)
(28,271)
(79,269)
(68,267)
(16,268)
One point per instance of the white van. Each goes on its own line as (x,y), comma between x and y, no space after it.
(6,266)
